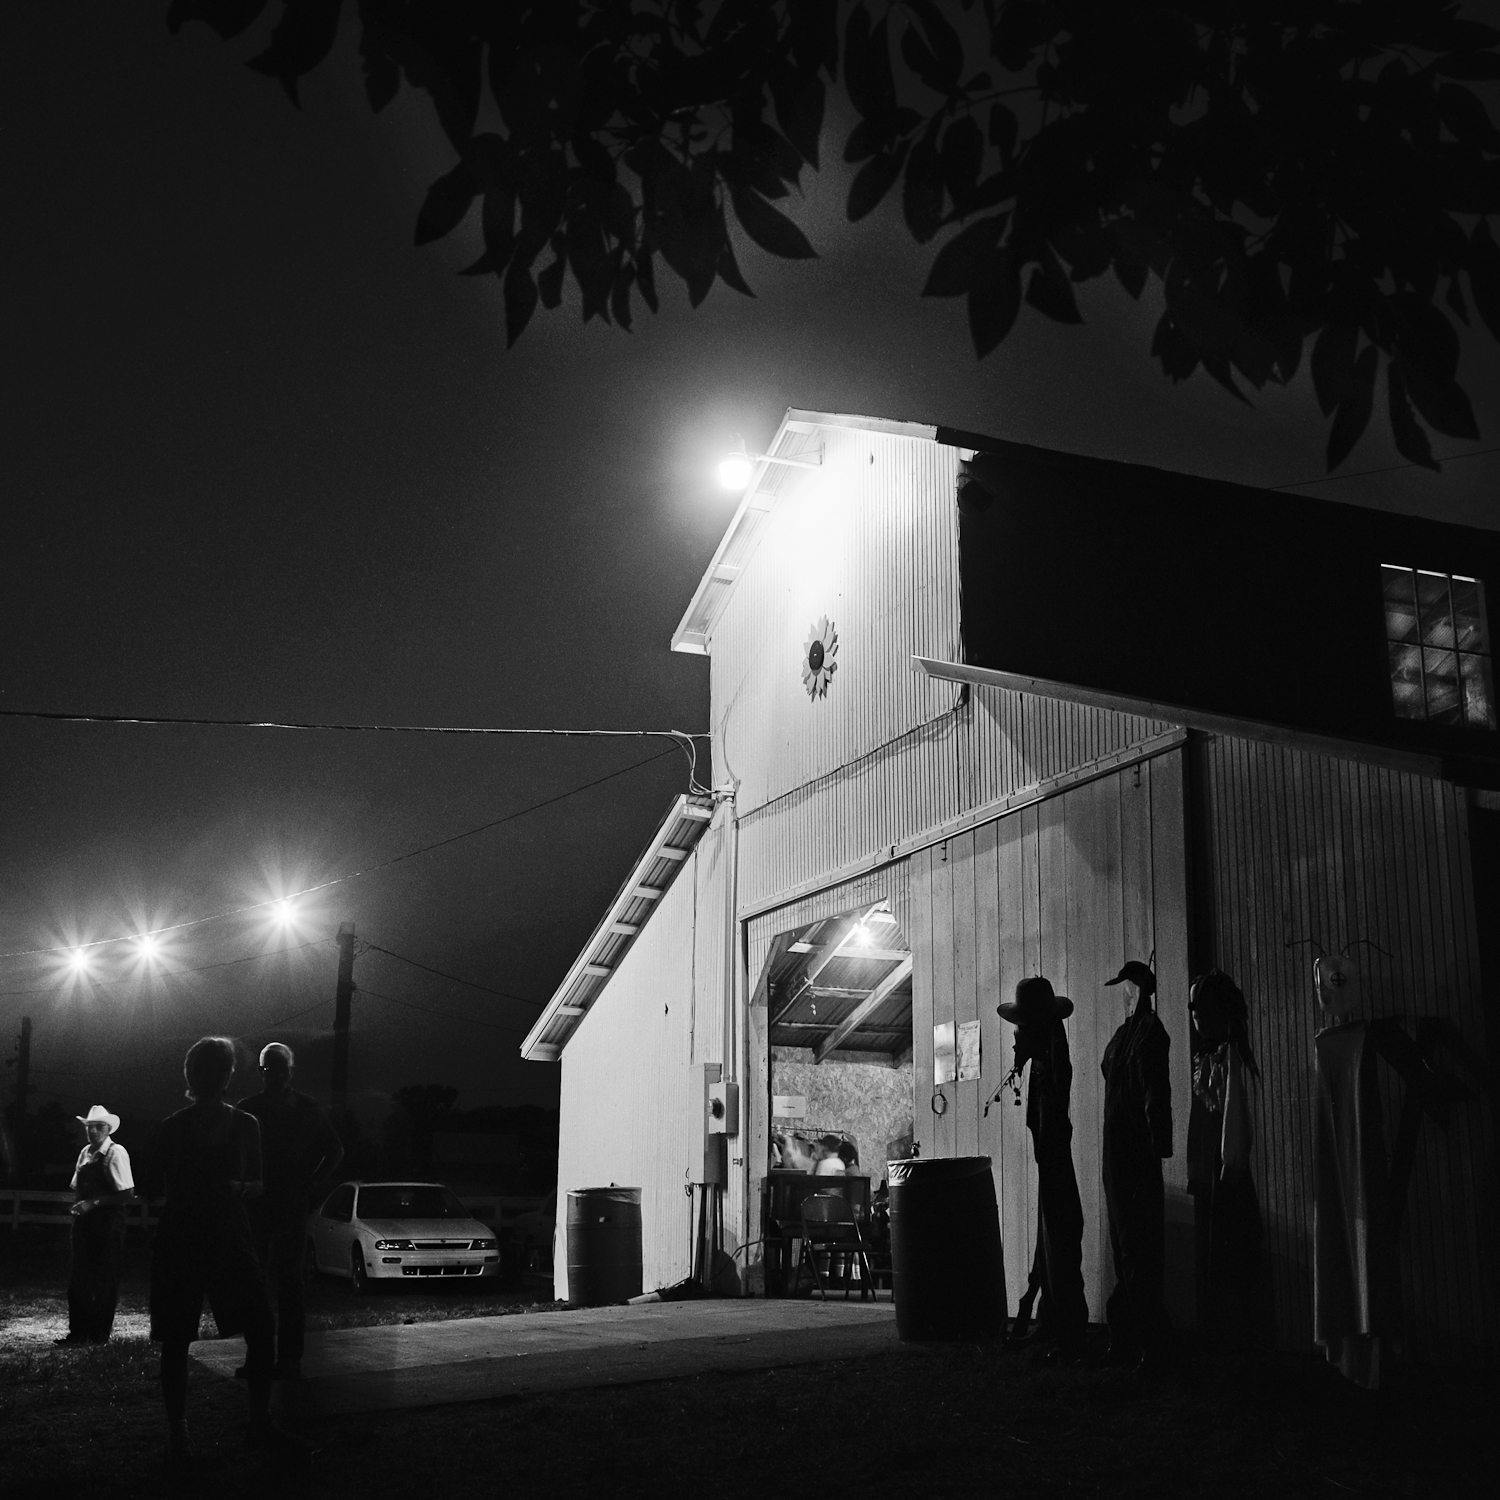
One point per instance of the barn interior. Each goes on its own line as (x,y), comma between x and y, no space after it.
(838,1001)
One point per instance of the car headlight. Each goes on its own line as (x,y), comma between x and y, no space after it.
(485,1245)
(394,1245)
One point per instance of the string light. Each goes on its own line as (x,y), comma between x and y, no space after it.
(155,936)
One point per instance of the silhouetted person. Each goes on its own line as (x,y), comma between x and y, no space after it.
(300,1152)
(1057,1267)
(1137,1135)
(1221,1132)
(102,1186)
(206,1160)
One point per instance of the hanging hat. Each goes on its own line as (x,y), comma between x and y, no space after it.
(1034,1003)
(1134,970)
(98,1115)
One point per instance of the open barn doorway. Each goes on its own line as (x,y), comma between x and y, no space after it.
(838,996)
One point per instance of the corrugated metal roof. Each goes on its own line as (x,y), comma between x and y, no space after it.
(796,438)
(631,909)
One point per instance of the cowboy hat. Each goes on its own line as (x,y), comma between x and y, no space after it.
(1138,973)
(98,1115)
(1035,1002)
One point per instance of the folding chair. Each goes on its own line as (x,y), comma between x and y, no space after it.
(830,1227)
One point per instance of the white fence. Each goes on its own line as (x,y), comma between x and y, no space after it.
(20,1206)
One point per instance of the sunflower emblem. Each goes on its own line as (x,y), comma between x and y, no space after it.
(818,652)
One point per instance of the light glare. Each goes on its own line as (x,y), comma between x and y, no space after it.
(78,961)
(735,471)
(150,946)
(284,912)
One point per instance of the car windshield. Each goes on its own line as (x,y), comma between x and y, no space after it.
(394,1201)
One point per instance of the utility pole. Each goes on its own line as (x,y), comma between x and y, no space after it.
(23,1071)
(341,1001)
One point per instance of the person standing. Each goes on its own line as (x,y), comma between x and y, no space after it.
(1137,1136)
(1221,1132)
(1037,1013)
(102,1186)
(301,1153)
(206,1161)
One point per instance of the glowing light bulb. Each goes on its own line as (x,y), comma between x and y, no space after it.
(150,946)
(284,911)
(78,961)
(736,470)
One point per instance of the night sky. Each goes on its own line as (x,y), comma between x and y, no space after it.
(263,459)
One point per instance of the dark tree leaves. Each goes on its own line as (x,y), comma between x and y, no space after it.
(1352,414)
(1283,180)
(769,227)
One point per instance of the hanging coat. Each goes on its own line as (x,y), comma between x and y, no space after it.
(1137,1135)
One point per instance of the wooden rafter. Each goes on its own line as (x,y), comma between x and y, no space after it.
(865,1009)
(824,954)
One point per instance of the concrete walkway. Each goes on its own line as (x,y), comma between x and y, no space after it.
(523,1354)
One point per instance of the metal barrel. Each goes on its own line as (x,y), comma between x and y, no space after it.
(947,1265)
(604,1245)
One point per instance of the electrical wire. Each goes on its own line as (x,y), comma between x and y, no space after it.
(343,879)
(1293,484)
(451,1015)
(205,723)
(443,974)
(680,737)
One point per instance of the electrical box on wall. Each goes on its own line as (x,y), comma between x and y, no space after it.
(724,1108)
(706,1148)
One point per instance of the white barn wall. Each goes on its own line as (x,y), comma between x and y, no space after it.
(626,1079)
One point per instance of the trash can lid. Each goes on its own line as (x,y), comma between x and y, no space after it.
(928,1170)
(610,1193)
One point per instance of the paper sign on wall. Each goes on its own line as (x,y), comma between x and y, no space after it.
(968,1051)
(943,1053)
(789,1106)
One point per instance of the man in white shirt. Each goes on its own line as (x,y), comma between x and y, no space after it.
(102,1186)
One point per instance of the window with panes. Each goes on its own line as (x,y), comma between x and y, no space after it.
(1438,641)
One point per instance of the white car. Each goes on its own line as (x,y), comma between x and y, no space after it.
(390,1231)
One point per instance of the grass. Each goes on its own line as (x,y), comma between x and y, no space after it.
(952,1420)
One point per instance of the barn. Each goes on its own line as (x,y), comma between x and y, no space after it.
(980,711)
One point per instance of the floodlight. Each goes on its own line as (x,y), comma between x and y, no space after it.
(78,961)
(284,911)
(149,945)
(736,470)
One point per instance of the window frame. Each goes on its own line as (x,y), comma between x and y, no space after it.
(1480,660)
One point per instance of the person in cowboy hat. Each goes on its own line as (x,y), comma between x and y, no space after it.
(1137,1135)
(1037,1013)
(102,1186)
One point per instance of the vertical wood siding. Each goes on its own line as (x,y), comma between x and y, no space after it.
(1069,888)
(871,541)
(1293,845)
(627,1111)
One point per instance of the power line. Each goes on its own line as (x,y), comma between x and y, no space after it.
(431,1011)
(342,879)
(1292,484)
(65,717)
(442,974)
